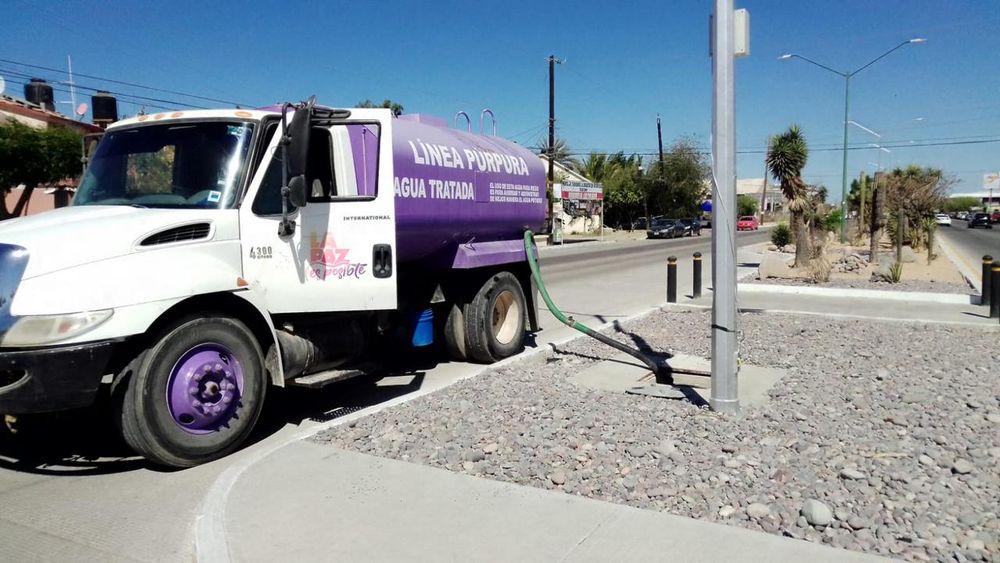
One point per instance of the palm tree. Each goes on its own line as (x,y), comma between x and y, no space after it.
(560,152)
(595,167)
(786,157)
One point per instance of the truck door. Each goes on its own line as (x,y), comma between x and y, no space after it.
(341,256)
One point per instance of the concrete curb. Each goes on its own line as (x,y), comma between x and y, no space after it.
(971,276)
(211,543)
(947,298)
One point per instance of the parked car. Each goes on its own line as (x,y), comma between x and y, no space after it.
(692,226)
(747,223)
(980,220)
(962,215)
(942,220)
(665,228)
(996,216)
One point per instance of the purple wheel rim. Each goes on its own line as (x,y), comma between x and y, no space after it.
(205,388)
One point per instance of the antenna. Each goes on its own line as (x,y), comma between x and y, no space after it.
(72,89)
(81,110)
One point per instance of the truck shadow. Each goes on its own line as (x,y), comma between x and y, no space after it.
(86,442)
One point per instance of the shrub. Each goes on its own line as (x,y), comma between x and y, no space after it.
(781,235)
(832,221)
(896,272)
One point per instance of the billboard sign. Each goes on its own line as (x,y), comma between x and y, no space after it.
(582,191)
(991,181)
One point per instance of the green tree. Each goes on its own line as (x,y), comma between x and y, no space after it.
(397,109)
(964,203)
(786,158)
(676,187)
(34,156)
(917,192)
(623,199)
(746,205)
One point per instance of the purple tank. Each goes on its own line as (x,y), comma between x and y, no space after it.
(454,188)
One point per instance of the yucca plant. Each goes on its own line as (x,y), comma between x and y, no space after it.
(896,272)
(786,157)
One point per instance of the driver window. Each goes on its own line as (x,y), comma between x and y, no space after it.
(343,162)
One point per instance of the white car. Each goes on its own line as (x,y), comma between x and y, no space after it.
(942,219)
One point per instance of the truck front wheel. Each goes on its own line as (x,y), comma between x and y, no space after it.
(195,394)
(495,319)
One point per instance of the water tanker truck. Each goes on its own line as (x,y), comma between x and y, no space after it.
(209,255)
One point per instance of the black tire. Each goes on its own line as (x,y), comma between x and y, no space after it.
(454,333)
(500,300)
(144,415)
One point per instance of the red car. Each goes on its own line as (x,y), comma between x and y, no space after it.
(747,223)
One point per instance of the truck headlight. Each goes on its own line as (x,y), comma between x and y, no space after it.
(39,330)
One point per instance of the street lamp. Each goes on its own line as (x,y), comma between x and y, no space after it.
(847,94)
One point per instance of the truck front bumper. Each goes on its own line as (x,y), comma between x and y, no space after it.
(52,379)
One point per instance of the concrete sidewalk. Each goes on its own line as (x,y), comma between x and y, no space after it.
(312,502)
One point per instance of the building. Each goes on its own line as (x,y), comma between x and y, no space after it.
(573,220)
(753,187)
(43,198)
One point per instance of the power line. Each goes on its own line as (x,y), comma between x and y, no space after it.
(19,74)
(131,84)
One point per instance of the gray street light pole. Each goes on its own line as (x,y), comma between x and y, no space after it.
(847,96)
(725,395)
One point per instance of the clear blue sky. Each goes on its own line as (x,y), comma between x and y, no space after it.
(624,64)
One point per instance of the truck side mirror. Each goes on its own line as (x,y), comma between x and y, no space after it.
(298,137)
(298,194)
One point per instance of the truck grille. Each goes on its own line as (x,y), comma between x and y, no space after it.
(11,376)
(178,234)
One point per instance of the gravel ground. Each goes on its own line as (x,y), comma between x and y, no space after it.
(864,283)
(883,438)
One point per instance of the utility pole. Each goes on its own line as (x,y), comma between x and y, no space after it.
(659,136)
(725,397)
(551,149)
(862,188)
(763,189)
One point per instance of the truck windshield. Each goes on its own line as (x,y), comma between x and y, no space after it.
(177,165)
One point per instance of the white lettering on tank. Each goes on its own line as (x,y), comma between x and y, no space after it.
(417,159)
(410,187)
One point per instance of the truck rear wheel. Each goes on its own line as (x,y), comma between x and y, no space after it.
(195,395)
(495,319)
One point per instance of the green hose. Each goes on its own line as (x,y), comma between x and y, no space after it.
(659,370)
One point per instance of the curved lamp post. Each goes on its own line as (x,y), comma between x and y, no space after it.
(847,93)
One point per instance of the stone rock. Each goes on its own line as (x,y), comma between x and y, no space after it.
(558,478)
(881,272)
(848,473)
(962,467)
(816,513)
(772,248)
(774,266)
(491,448)
(474,456)
(637,451)
(629,483)
(758,510)
(908,255)
(666,447)
(727,511)
(858,523)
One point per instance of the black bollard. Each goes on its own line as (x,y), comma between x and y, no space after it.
(987,277)
(672,279)
(696,292)
(995,292)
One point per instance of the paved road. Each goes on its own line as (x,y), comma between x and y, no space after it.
(972,244)
(69,489)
